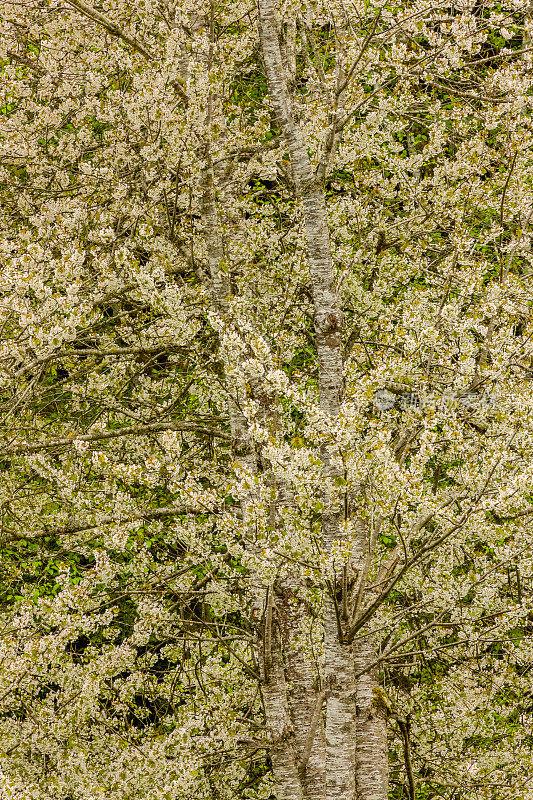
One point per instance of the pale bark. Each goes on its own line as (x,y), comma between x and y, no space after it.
(372,750)
(339,674)
(279,725)
(340,715)
(220,286)
(305,702)
(303,699)
(371,737)
(328,316)
(289,50)
(371,753)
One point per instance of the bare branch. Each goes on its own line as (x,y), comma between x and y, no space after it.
(405,727)
(267,633)
(31,64)
(312,731)
(431,545)
(366,42)
(366,567)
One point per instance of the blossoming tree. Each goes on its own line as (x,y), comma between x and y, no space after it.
(266,414)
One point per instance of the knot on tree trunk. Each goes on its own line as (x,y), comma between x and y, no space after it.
(328,322)
(286,734)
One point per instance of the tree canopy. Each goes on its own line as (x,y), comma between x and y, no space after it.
(266,419)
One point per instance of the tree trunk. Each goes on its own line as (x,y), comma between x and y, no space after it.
(279,725)
(339,666)
(372,778)
(306,698)
(273,682)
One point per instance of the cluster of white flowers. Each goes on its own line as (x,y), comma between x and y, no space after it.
(169,466)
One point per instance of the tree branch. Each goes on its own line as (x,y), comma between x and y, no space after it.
(312,731)
(27,62)
(94,351)
(431,545)
(112,28)
(267,633)
(155,513)
(140,430)
(405,728)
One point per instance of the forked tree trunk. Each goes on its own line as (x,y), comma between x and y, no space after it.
(340,734)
